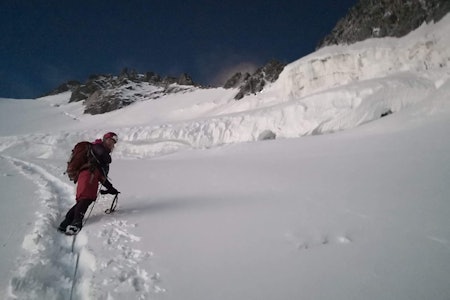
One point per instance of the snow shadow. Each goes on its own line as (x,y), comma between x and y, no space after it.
(137,207)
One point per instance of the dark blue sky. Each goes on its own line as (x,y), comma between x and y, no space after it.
(45,43)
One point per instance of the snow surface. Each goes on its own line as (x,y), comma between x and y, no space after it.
(208,210)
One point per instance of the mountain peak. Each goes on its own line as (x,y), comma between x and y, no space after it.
(376,19)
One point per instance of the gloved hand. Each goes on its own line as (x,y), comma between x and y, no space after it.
(111,191)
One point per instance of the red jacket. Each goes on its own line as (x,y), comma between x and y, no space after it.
(87,186)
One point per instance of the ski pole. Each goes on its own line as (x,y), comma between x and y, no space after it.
(113,205)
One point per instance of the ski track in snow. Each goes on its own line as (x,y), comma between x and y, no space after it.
(46,270)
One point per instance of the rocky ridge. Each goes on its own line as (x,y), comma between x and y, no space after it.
(383,18)
(104,93)
(251,84)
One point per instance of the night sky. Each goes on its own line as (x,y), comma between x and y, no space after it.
(45,43)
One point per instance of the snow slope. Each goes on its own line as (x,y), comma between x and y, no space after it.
(206,212)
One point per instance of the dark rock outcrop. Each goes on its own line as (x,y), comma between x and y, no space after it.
(104,93)
(251,84)
(102,101)
(256,82)
(95,83)
(185,79)
(236,80)
(381,18)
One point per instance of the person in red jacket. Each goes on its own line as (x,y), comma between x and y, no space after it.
(87,185)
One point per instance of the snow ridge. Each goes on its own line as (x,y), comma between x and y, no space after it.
(424,50)
(328,111)
(325,112)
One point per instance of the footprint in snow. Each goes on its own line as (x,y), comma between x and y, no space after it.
(122,271)
(310,242)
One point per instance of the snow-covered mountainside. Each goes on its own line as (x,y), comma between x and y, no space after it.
(333,89)
(207,212)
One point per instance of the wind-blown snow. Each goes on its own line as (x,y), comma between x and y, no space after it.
(207,212)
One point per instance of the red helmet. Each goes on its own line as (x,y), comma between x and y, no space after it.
(111,135)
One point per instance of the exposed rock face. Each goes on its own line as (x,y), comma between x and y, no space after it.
(249,84)
(185,79)
(99,102)
(104,93)
(95,83)
(381,18)
(236,80)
